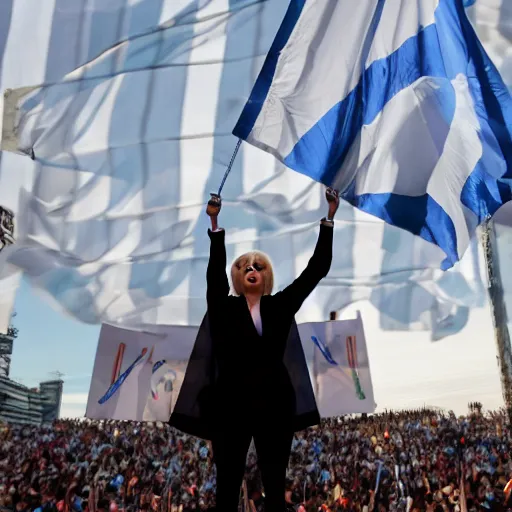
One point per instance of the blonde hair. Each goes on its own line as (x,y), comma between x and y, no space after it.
(248,259)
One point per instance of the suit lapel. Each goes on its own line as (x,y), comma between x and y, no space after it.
(263,311)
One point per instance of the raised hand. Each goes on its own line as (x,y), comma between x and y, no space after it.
(213,209)
(214,205)
(333,200)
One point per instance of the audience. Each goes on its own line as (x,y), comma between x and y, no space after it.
(422,460)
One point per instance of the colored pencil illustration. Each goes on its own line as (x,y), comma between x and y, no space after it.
(352,362)
(118,363)
(114,386)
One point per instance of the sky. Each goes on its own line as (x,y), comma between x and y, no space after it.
(50,341)
(408,370)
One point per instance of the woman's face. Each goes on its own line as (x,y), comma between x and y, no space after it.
(251,274)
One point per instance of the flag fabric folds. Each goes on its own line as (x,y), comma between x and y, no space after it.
(397,105)
(492,20)
(130,127)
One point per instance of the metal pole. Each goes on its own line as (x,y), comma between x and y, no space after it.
(498,312)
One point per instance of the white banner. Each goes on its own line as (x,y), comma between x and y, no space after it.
(138,376)
(339,367)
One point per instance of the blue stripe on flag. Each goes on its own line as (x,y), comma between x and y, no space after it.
(321,152)
(491,95)
(446,49)
(421,212)
(260,90)
(484,193)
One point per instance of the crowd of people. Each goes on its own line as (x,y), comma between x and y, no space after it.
(421,460)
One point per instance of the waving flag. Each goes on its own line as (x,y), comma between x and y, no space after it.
(492,20)
(130,129)
(397,105)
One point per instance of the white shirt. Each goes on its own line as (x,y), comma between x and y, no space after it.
(256,317)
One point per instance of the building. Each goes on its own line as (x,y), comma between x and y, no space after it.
(6,342)
(52,391)
(19,404)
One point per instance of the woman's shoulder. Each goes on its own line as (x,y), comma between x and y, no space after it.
(234,300)
(273,301)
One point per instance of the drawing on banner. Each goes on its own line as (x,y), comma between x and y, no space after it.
(119,378)
(138,376)
(339,366)
(166,379)
(325,350)
(352,362)
(116,370)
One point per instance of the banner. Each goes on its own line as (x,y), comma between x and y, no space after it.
(138,376)
(339,366)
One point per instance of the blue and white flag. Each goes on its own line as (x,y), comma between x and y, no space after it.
(492,20)
(394,103)
(130,129)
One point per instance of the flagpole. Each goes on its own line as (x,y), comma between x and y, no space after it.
(498,312)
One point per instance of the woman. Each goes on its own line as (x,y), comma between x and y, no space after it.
(247,376)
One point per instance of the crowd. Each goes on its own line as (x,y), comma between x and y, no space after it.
(422,460)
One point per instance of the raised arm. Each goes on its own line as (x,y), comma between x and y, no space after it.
(319,265)
(217,284)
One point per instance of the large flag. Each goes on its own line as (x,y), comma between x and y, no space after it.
(397,105)
(492,20)
(15,178)
(63,36)
(129,126)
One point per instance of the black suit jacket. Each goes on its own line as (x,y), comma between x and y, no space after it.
(234,373)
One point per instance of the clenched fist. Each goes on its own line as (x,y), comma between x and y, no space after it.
(214,205)
(333,200)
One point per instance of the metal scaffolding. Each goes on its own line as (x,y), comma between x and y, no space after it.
(498,312)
